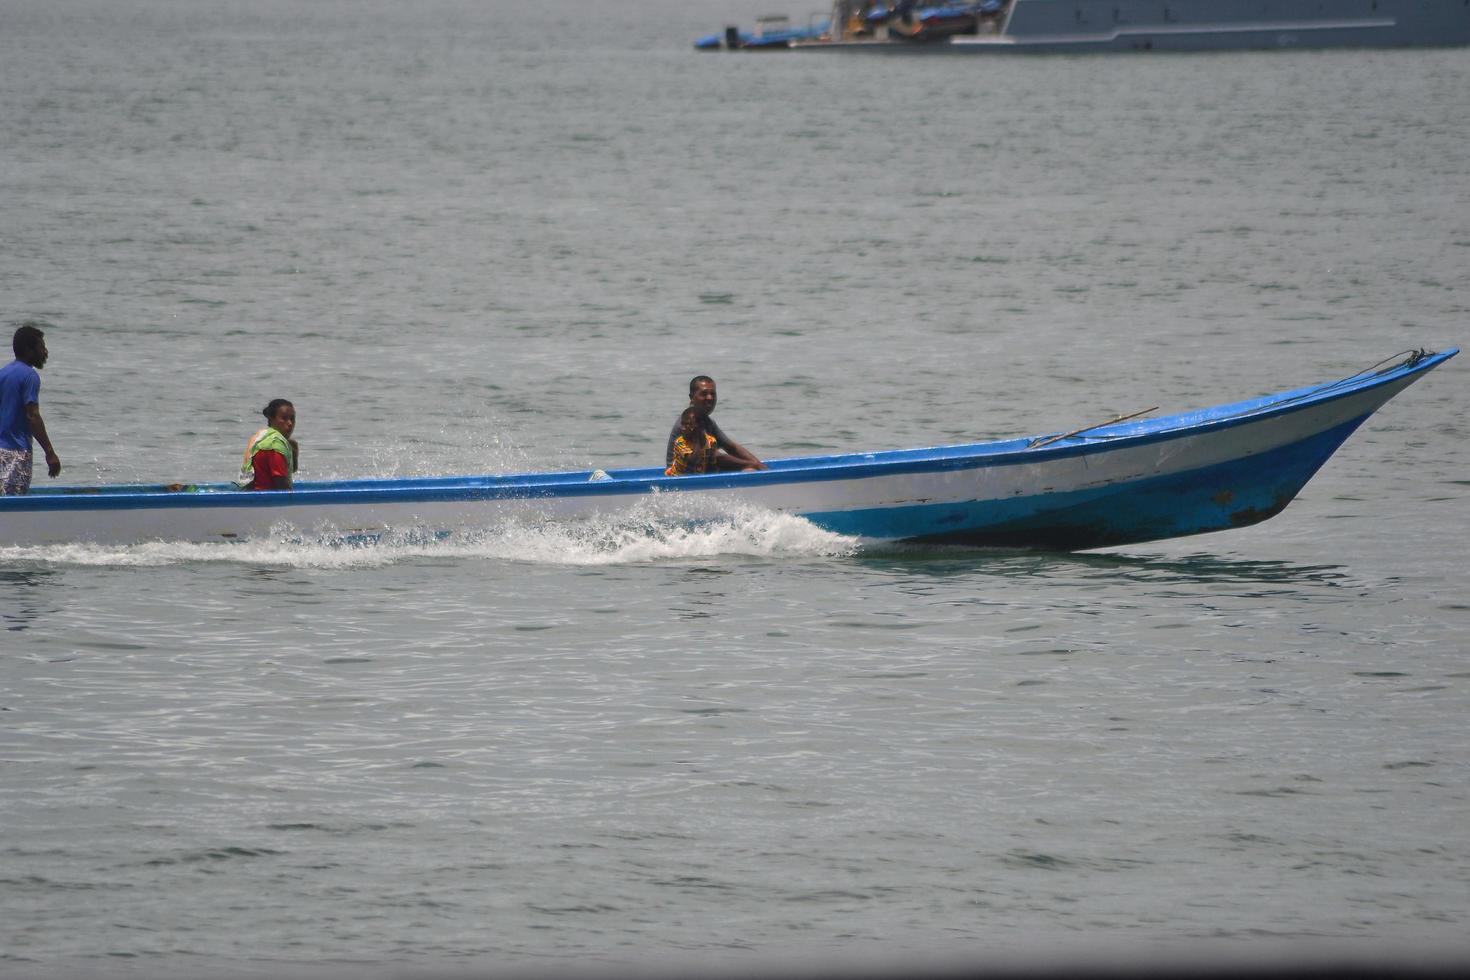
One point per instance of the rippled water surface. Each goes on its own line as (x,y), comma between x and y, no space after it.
(469,237)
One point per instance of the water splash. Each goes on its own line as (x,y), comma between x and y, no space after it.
(642,534)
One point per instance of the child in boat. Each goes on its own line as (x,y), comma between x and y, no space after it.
(271,455)
(695,450)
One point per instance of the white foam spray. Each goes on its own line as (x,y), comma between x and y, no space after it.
(652,531)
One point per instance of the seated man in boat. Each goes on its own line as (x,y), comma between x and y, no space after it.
(20,412)
(271,455)
(702,399)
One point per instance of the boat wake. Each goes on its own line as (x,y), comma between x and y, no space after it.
(641,535)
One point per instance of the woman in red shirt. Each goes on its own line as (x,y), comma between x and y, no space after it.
(271,456)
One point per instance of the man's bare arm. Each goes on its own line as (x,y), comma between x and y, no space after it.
(744,455)
(38,429)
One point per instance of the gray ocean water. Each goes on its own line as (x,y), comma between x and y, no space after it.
(487,236)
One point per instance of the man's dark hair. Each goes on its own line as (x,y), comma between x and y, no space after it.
(27,338)
(275,406)
(694,382)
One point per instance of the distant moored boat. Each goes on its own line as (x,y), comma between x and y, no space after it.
(1043,26)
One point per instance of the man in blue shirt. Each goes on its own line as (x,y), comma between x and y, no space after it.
(20,412)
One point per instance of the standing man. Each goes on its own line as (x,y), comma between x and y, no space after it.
(20,412)
(702,400)
(843,11)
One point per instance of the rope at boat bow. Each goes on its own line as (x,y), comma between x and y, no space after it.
(1404,359)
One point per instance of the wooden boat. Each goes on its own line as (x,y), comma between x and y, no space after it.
(1121,482)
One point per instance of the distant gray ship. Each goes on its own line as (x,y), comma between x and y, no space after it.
(1109,25)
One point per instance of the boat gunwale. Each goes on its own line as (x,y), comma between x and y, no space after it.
(787,470)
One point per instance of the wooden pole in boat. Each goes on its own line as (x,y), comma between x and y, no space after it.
(1088,428)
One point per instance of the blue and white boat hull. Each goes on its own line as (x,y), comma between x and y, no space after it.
(1209,470)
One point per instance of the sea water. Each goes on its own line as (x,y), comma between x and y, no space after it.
(494,237)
